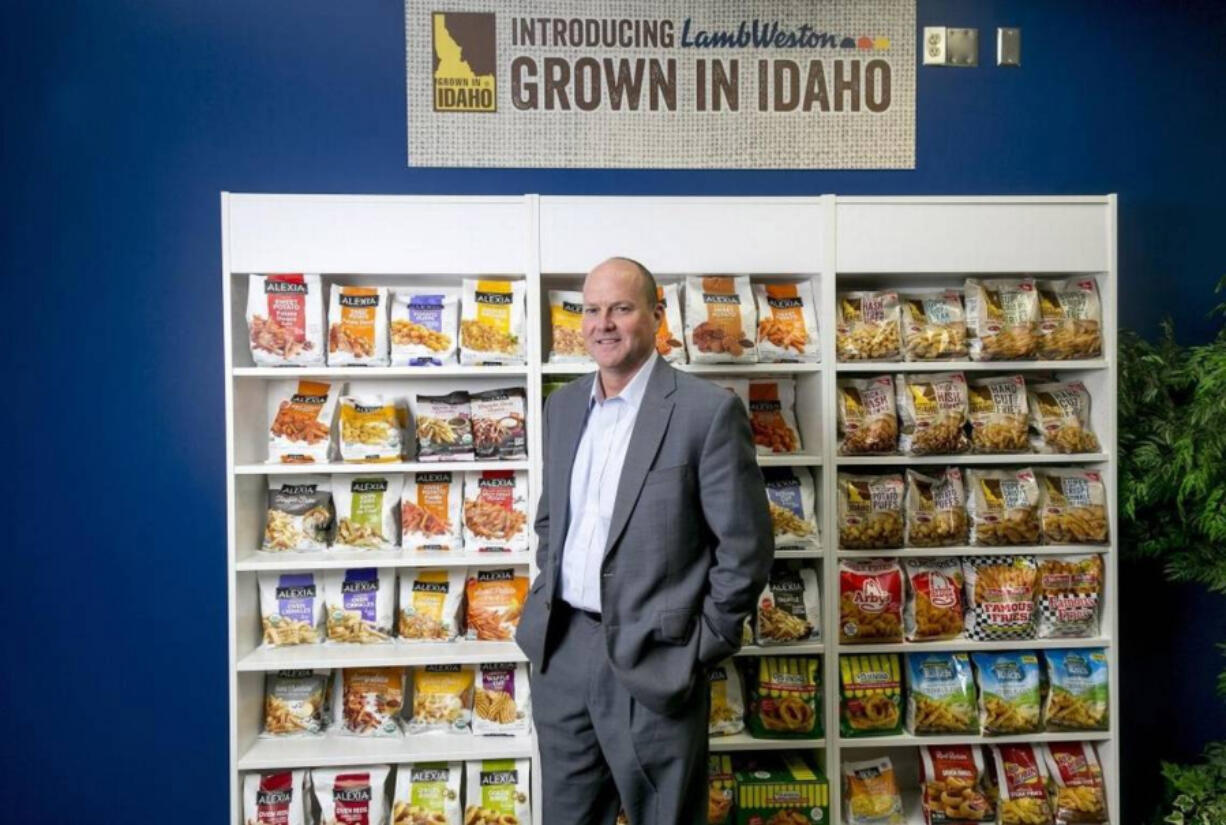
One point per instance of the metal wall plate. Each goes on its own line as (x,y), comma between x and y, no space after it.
(1008,46)
(962,47)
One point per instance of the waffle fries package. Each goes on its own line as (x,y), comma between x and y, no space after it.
(442,699)
(727,713)
(780,789)
(300,514)
(1000,597)
(428,793)
(1060,418)
(357,326)
(358,605)
(791,497)
(721,789)
(496,510)
(934,410)
(495,600)
(787,322)
(868,327)
(952,779)
(275,798)
(868,419)
(870,601)
(430,511)
(936,509)
(941,694)
(1070,595)
(870,793)
(870,511)
(425,326)
(498,424)
(285,320)
(492,321)
(351,795)
(371,428)
(367,701)
(998,413)
(1021,785)
(1070,319)
(785,698)
(501,704)
(445,427)
(291,608)
(1003,506)
(720,320)
(497,792)
(934,599)
(772,415)
(1072,506)
(294,702)
(1009,693)
(1077,693)
(933,326)
(1002,316)
(789,609)
(669,334)
(870,695)
(366,511)
(301,413)
(1077,779)
(566,328)
(431,604)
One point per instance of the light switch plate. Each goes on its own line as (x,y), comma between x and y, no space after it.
(934,45)
(1008,46)
(962,47)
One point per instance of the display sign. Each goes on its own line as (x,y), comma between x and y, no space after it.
(672,84)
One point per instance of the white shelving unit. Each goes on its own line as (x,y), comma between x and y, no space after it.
(838,243)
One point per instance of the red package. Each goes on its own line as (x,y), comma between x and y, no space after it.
(1078,778)
(1021,783)
(870,601)
(952,781)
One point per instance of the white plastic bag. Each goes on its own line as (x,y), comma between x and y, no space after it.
(274,798)
(429,793)
(492,321)
(291,608)
(351,795)
(787,322)
(431,510)
(285,320)
(720,320)
(497,792)
(357,326)
(501,704)
(358,605)
(425,326)
(300,417)
(366,511)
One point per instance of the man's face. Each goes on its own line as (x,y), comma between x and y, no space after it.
(619,325)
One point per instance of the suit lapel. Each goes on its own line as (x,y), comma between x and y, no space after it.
(649,427)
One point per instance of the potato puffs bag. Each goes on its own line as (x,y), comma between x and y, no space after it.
(1077,779)
(934,608)
(867,327)
(870,793)
(1008,692)
(870,511)
(936,508)
(1077,696)
(1021,785)
(940,694)
(870,695)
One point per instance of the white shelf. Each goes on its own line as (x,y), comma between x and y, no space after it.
(333,750)
(972,458)
(448,371)
(790,460)
(745,742)
(968,550)
(377,469)
(782,368)
(970,366)
(306,657)
(969,646)
(258,561)
(908,740)
(798,649)
(799,553)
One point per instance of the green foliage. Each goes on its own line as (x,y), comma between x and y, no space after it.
(1196,794)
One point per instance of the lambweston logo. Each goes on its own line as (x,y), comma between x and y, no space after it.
(465,54)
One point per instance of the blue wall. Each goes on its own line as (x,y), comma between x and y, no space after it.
(123,120)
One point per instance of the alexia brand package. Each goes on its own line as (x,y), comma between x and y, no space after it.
(371,428)
(301,415)
(294,702)
(299,513)
(274,798)
(790,495)
(357,326)
(787,322)
(789,610)
(497,792)
(496,510)
(430,604)
(719,320)
(358,606)
(428,793)
(351,795)
(566,325)
(430,511)
(424,326)
(366,511)
(492,320)
(291,608)
(772,416)
(285,320)
(500,704)
(670,332)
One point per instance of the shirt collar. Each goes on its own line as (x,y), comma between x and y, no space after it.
(633,392)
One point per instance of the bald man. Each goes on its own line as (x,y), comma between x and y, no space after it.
(654,542)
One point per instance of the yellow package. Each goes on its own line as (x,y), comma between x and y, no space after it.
(870,793)
(357,326)
(442,699)
(371,429)
(430,603)
(492,320)
(495,600)
(566,322)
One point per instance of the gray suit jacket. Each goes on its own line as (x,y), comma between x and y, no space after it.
(690,542)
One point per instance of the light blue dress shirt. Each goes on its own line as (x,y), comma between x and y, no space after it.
(593,486)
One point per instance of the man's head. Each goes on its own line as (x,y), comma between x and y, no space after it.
(620,314)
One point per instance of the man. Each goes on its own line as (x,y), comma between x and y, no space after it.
(654,542)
